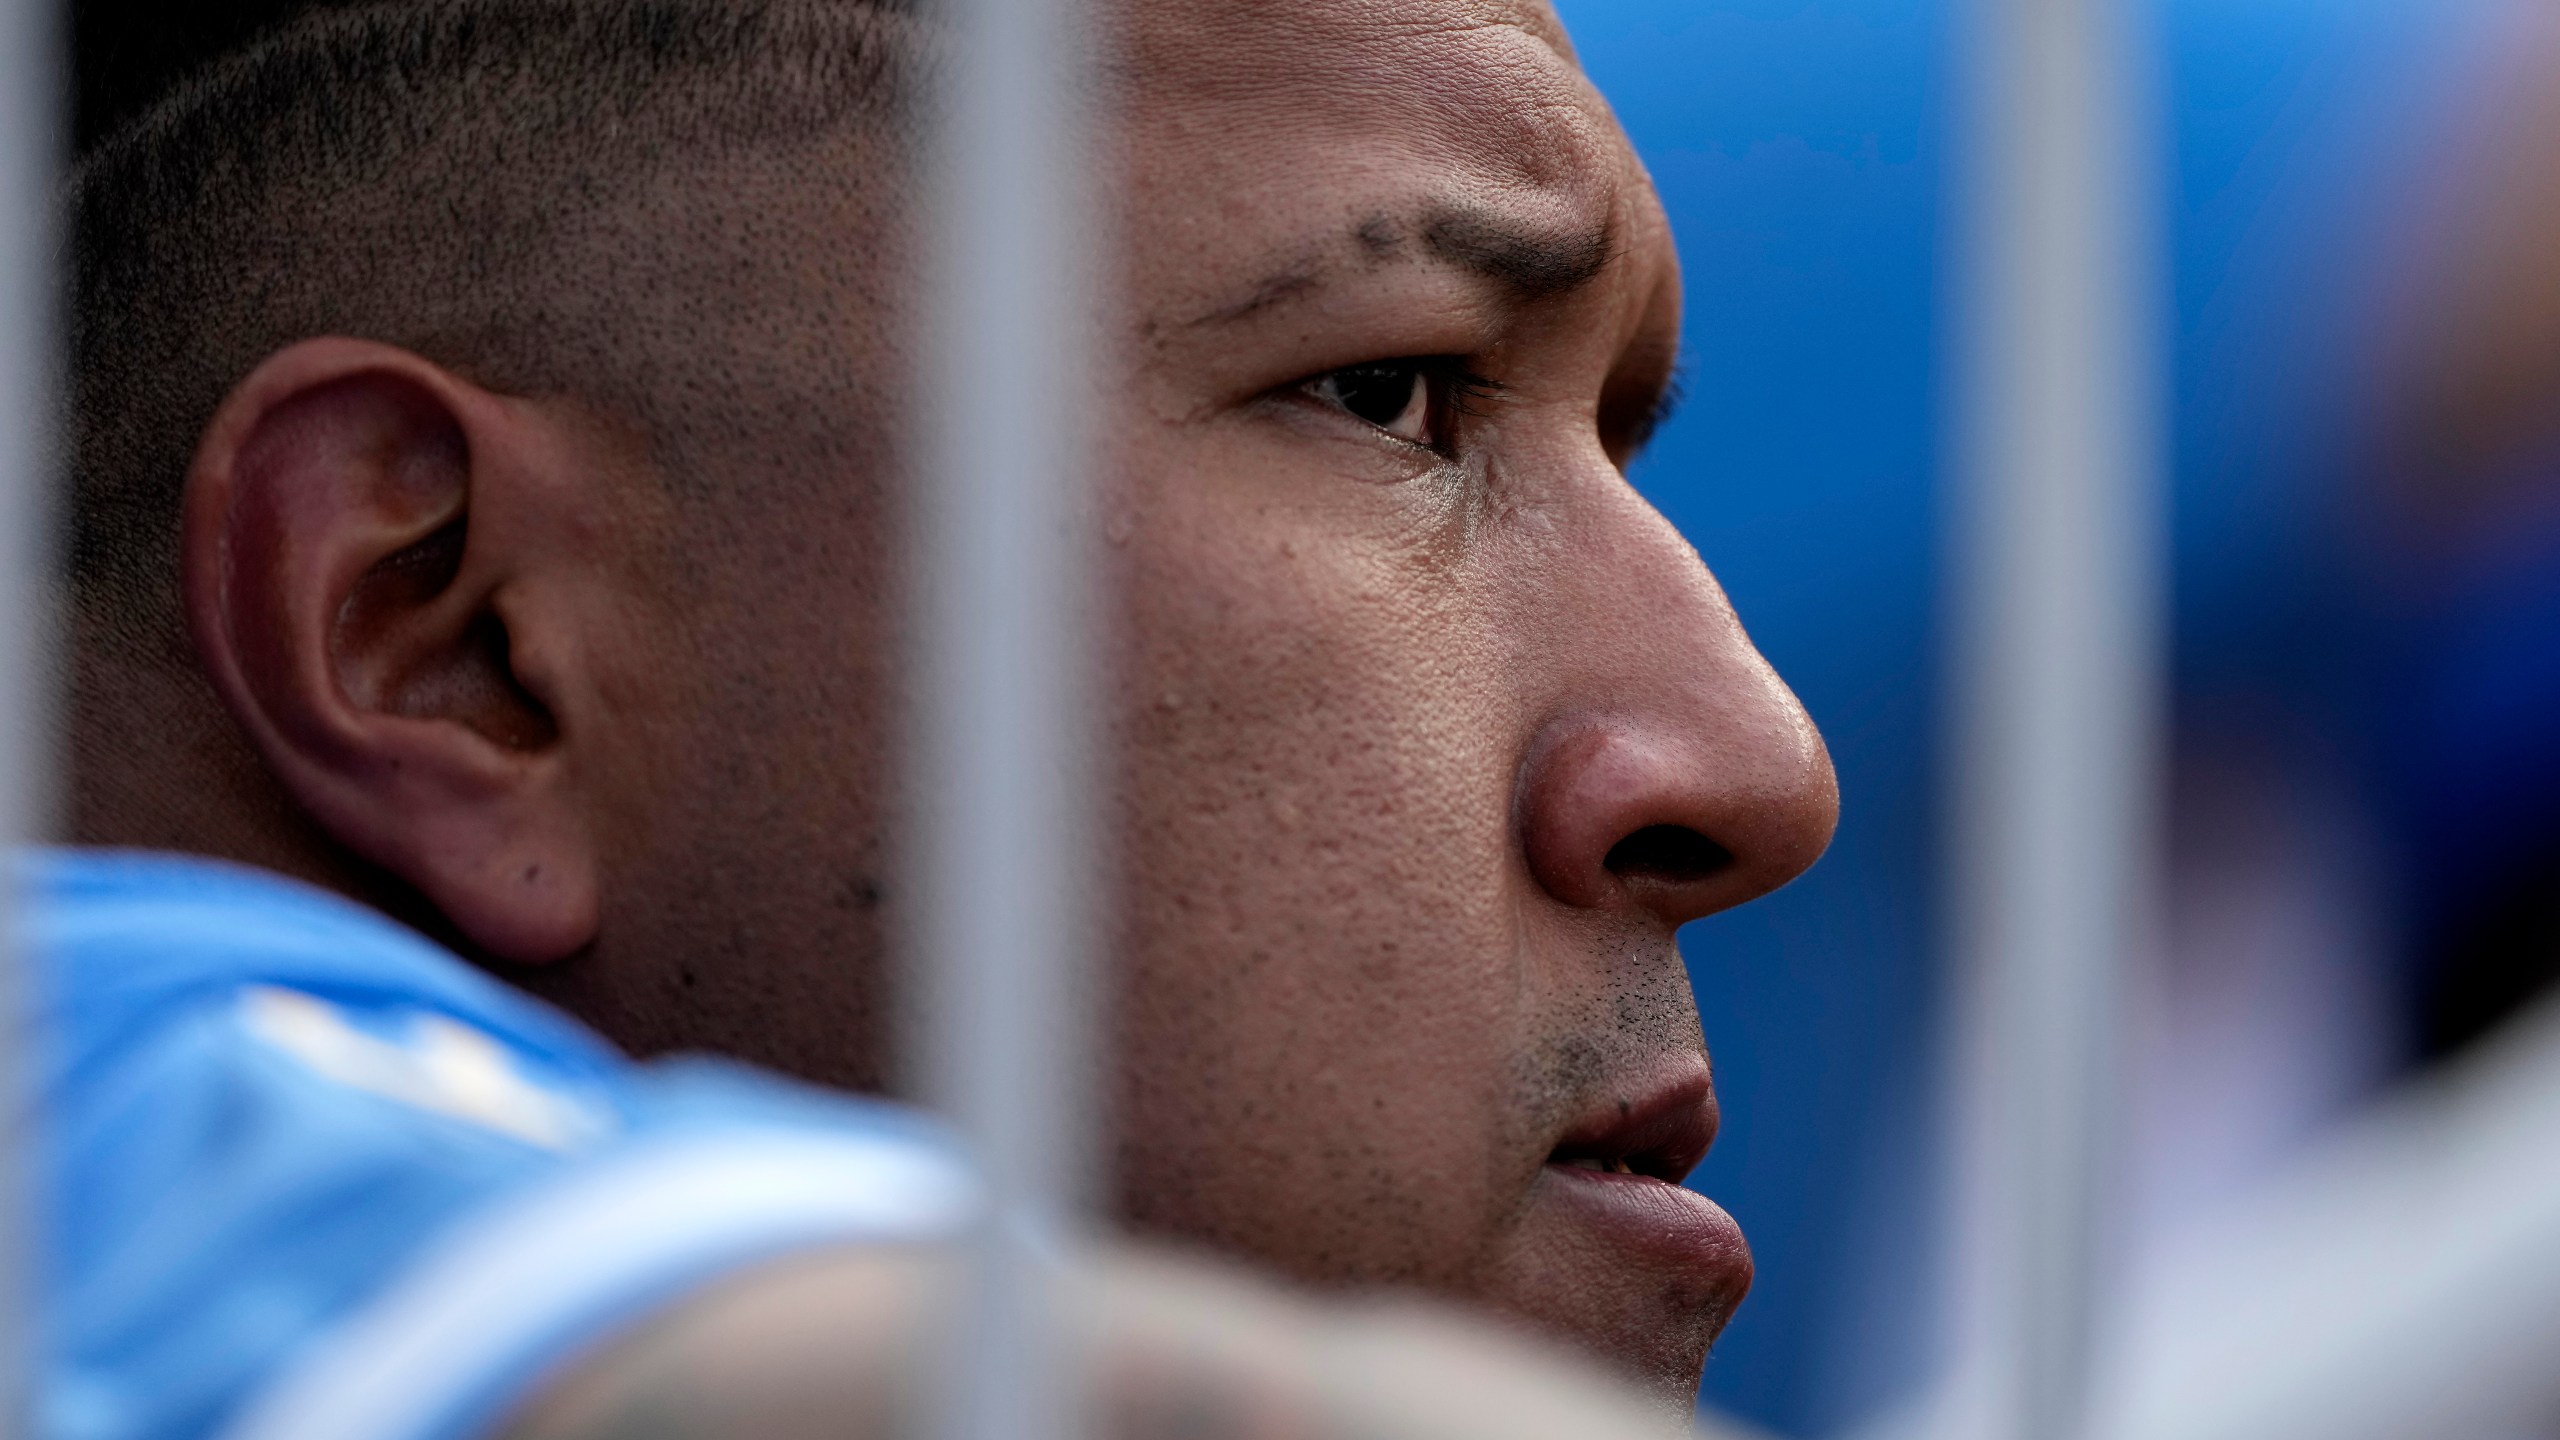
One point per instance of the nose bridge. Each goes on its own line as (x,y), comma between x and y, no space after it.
(1671,647)
(1661,585)
(1664,719)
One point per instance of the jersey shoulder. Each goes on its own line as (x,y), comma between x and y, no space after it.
(273,1120)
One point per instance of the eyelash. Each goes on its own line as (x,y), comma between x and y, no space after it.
(1452,390)
(1659,413)
(1465,385)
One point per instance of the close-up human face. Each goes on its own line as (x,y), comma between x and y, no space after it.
(1432,732)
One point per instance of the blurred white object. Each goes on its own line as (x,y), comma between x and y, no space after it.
(2401,1282)
(2271,1006)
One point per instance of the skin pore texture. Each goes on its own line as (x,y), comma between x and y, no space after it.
(1392,708)
(1427,732)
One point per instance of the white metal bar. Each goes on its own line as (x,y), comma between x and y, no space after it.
(1000,780)
(2056,725)
(30,124)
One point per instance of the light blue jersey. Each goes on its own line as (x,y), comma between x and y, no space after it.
(306,1174)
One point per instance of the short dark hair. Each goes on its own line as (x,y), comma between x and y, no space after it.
(480,181)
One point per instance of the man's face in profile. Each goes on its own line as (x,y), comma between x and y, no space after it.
(1428,733)
(1433,731)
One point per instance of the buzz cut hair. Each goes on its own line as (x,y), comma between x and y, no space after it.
(540,195)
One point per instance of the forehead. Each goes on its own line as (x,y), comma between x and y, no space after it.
(1280,138)
(1194,34)
(1335,90)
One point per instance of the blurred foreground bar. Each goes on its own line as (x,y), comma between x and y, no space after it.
(2058,715)
(30,100)
(1000,782)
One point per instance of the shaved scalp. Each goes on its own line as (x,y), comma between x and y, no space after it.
(518,190)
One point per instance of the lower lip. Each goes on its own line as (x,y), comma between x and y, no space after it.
(1678,1231)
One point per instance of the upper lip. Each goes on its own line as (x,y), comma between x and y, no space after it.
(1662,1127)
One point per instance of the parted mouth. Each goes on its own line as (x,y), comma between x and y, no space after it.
(1594,1162)
(1613,1182)
(1658,1130)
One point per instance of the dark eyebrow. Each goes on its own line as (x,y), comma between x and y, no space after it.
(1537,263)
(1531,261)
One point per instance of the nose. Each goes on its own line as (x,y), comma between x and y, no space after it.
(1677,775)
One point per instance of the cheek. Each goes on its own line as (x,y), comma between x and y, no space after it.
(1323,987)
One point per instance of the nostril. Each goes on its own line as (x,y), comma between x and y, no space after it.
(1670,854)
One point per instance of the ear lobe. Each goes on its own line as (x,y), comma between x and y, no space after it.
(350,583)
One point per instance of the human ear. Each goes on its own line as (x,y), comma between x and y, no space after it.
(360,580)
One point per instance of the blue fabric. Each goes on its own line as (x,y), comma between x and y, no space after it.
(257,1103)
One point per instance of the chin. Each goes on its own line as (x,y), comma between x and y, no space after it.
(1646,1303)
(1667,1361)
(1658,1343)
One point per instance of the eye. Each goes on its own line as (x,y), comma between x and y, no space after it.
(1412,400)
(1394,395)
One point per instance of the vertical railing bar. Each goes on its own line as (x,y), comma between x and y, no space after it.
(2057,724)
(1000,779)
(31,95)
